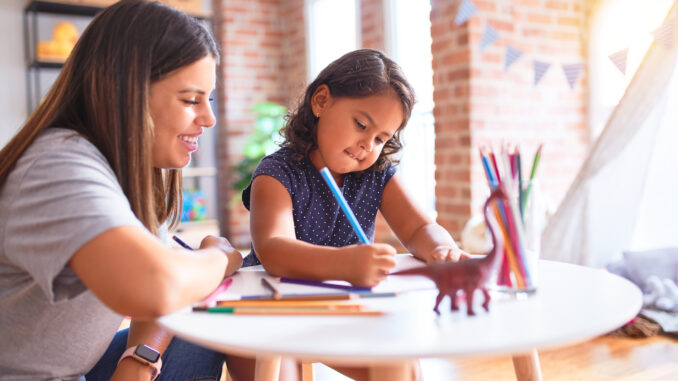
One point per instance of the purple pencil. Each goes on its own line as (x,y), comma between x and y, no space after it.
(307,282)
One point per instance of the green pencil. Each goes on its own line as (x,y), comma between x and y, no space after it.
(535,163)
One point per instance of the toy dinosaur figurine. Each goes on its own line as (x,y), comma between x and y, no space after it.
(467,274)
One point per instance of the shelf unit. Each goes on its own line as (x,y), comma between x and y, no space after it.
(201,172)
(30,22)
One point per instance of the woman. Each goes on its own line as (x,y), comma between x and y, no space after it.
(87,187)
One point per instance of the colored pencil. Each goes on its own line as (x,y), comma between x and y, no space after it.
(327,176)
(488,171)
(211,299)
(286,311)
(267,283)
(520,183)
(337,296)
(314,283)
(182,243)
(510,255)
(332,304)
(535,163)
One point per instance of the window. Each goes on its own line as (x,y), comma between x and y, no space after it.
(332,32)
(618,25)
(409,35)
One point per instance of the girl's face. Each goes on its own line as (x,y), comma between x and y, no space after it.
(352,131)
(180,108)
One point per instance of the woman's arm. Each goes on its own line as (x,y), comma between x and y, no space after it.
(148,333)
(422,236)
(134,274)
(282,254)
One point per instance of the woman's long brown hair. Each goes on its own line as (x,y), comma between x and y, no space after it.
(102,93)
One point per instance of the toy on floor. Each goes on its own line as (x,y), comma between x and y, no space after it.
(468,274)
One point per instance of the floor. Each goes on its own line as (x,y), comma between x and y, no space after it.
(603,358)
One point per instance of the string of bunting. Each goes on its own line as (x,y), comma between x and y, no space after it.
(467,9)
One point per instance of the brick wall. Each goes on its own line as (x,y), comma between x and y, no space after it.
(477,102)
(263,59)
(372,25)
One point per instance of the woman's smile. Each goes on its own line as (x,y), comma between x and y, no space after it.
(190,141)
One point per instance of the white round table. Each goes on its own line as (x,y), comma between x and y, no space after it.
(573,304)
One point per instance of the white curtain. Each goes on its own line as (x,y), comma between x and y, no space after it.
(599,216)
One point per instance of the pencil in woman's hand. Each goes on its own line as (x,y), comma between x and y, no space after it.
(182,243)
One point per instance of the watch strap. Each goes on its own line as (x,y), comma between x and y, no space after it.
(133,353)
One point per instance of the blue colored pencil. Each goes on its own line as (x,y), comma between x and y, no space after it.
(327,176)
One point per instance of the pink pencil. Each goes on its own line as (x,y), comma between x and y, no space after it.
(211,299)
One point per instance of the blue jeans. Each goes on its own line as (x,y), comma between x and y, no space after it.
(182,361)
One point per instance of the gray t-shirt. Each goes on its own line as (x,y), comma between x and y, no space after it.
(61,194)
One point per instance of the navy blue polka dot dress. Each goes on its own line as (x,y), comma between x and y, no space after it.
(318,219)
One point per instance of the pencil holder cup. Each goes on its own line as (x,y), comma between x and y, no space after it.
(521,228)
(534,221)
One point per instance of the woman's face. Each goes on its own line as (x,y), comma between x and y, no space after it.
(180,109)
(352,131)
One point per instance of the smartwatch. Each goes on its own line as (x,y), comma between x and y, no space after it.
(145,355)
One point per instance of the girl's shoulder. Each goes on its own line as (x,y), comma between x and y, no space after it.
(284,155)
(283,159)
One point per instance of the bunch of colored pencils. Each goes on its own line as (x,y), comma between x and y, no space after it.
(279,304)
(289,307)
(505,170)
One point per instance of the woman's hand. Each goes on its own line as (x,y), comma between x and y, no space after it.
(369,264)
(233,255)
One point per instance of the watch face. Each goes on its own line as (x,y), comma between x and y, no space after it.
(147,353)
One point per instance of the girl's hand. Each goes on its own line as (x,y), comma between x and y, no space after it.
(369,264)
(221,243)
(446,254)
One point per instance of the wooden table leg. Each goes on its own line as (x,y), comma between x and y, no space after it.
(267,368)
(400,371)
(307,371)
(527,366)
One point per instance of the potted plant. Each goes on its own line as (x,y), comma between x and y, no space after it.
(263,141)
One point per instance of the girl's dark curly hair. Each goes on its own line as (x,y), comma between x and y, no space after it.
(360,73)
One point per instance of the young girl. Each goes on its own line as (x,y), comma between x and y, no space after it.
(349,121)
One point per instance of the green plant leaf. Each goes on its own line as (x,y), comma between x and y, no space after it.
(262,141)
